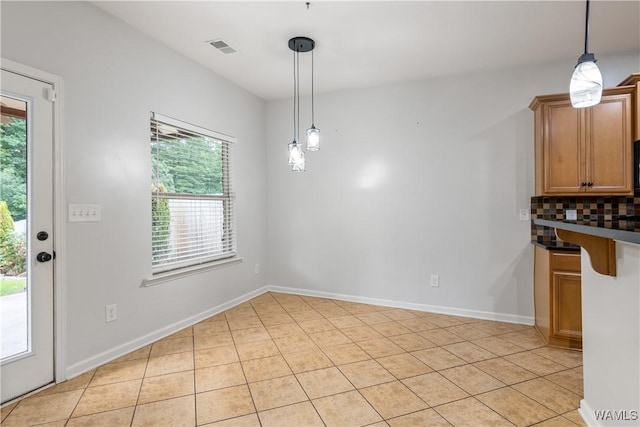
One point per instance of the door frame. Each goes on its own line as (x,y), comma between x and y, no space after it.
(59,217)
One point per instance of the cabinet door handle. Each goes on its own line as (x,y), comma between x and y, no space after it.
(589,184)
(583,184)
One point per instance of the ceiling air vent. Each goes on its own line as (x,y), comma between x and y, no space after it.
(222,46)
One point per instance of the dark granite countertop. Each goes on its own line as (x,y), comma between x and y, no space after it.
(554,244)
(623,229)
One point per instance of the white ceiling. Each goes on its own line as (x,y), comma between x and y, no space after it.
(368,43)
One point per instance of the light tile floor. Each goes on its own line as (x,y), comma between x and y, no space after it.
(288,360)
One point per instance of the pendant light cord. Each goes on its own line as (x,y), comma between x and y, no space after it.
(313,121)
(586,30)
(298,93)
(294,96)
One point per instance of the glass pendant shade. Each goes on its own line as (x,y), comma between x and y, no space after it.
(294,152)
(299,164)
(585,89)
(313,138)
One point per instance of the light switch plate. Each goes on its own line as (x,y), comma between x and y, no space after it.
(84,213)
(571,215)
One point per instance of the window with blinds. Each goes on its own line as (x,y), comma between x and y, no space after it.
(191,195)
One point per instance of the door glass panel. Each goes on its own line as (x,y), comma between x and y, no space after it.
(14,286)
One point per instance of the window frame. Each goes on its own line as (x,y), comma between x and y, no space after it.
(165,270)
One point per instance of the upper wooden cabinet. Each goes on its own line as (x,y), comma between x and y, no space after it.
(585,150)
(634,81)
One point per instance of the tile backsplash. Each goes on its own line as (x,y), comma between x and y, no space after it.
(595,210)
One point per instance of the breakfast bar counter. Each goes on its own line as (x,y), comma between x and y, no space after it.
(610,318)
(622,230)
(596,238)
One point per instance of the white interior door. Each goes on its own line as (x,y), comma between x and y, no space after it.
(26,238)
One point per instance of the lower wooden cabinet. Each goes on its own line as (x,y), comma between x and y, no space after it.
(558,297)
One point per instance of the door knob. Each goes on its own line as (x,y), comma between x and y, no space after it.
(44,257)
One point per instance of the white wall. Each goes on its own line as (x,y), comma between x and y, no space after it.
(611,340)
(114,76)
(413,179)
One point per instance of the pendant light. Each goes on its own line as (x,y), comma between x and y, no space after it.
(585,89)
(313,133)
(296,152)
(296,155)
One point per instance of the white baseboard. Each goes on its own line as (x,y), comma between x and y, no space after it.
(586,413)
(121,350)
(476,314)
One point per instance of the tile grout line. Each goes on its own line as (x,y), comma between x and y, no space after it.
(81,396)
(477,400)
(144,375)
(466,364)
(244,374)
(347,378)
(297,379)
(195,385)
(332,309)
(224,364)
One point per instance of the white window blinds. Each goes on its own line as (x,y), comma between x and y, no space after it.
(191,195)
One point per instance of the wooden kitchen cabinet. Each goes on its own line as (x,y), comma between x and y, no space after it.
(634,81)
(558,297)
(584,151)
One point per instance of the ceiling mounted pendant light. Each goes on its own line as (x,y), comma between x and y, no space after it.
(585,89)
(296,153)
(313,133)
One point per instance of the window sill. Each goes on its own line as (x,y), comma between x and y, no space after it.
(189,271)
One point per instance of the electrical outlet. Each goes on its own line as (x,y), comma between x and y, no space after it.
(435,280)
(524,214)
(111,313)
(571,214)
(256,269)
